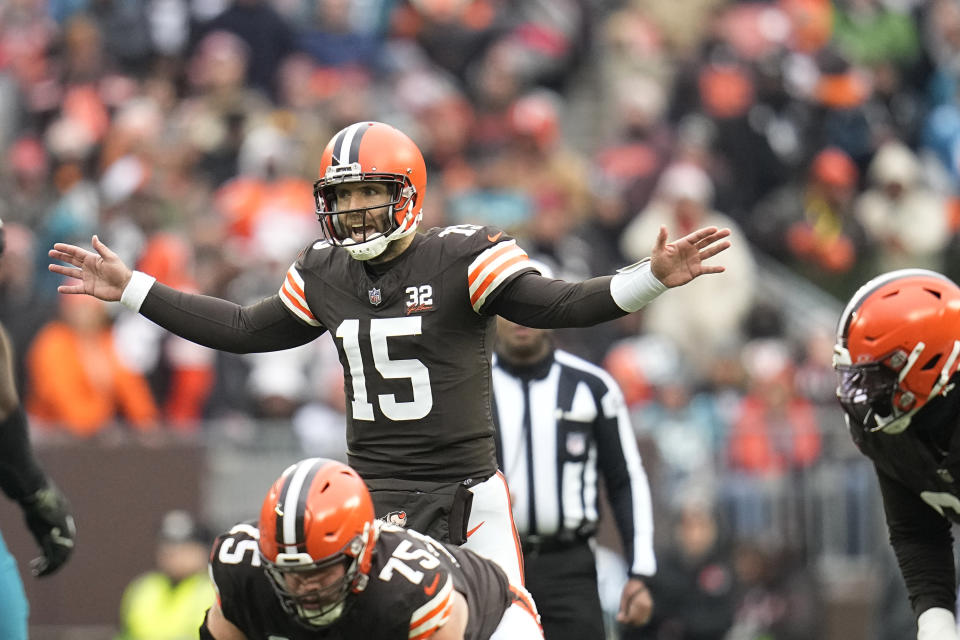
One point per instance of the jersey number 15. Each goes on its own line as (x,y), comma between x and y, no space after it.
(413,370)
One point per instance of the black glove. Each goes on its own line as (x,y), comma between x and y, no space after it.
(48,517)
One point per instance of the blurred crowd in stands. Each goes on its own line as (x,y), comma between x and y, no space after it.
(187,134)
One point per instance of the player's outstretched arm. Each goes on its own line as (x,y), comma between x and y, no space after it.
(677,263)
(102,274)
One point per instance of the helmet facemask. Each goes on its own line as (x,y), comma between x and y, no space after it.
(875,395)
(871,395)
(341,227)
(322,606)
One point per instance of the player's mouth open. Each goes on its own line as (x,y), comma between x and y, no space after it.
(363,232)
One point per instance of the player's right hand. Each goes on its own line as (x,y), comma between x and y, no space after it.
(48,517)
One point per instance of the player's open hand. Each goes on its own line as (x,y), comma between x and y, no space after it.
(102,274)
(678,262)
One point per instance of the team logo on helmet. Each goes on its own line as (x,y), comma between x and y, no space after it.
(396,518)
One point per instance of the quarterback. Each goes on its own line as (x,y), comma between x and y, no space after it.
(412,315)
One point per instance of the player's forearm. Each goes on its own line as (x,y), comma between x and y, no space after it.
(20,474)
(544,303)
(220,324)
(9,399)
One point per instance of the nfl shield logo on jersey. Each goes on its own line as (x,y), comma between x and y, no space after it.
(375,298)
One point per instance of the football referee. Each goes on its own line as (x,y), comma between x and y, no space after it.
(560,421)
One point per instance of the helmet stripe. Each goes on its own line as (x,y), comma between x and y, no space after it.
(346,146)
(337,146)
(351,142)
(293,499)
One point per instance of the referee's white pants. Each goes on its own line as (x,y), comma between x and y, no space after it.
(490,529)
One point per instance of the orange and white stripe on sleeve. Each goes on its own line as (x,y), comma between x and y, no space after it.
(293,297)
(492,267)
(434,614)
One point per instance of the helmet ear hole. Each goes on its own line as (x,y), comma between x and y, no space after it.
(931,363)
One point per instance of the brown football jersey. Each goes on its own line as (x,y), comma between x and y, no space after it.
(415,343)
(407,595)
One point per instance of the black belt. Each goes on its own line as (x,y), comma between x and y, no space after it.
(552,544)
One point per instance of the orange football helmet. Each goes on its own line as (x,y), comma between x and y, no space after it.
(897,347)
(371,152)
(317,514)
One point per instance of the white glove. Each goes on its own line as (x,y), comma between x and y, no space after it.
(937,624)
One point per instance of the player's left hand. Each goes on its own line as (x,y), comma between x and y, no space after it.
(680,261)
(636,604)
(48,517)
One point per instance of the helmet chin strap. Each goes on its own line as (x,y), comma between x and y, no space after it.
(324,620)
(891,425)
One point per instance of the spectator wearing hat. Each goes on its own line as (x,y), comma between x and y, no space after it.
(809,223)
(905,219)
(702,320)
(170,601)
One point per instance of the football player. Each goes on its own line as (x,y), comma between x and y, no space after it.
(897,355)
(44,506)
(319,565)
(412,315)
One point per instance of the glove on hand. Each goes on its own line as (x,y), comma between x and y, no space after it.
(47,513)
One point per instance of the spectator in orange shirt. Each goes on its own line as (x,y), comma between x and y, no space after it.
(776,429)
(77,381)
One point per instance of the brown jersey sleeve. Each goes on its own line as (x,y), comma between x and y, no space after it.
(545,303)
(227,326)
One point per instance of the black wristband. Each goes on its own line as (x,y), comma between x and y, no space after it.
(20,474)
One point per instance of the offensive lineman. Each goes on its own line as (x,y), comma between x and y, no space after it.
(319,566)
(412,316)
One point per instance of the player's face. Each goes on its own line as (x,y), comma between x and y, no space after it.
(521,343)
(314,587)
(369,196)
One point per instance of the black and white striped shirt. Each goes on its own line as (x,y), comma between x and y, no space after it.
(560,422)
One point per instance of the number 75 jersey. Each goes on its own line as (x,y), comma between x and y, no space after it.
(415,343)
(407,597)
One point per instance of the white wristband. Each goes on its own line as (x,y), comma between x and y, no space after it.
(136,290)
(937,623)
(634,286)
